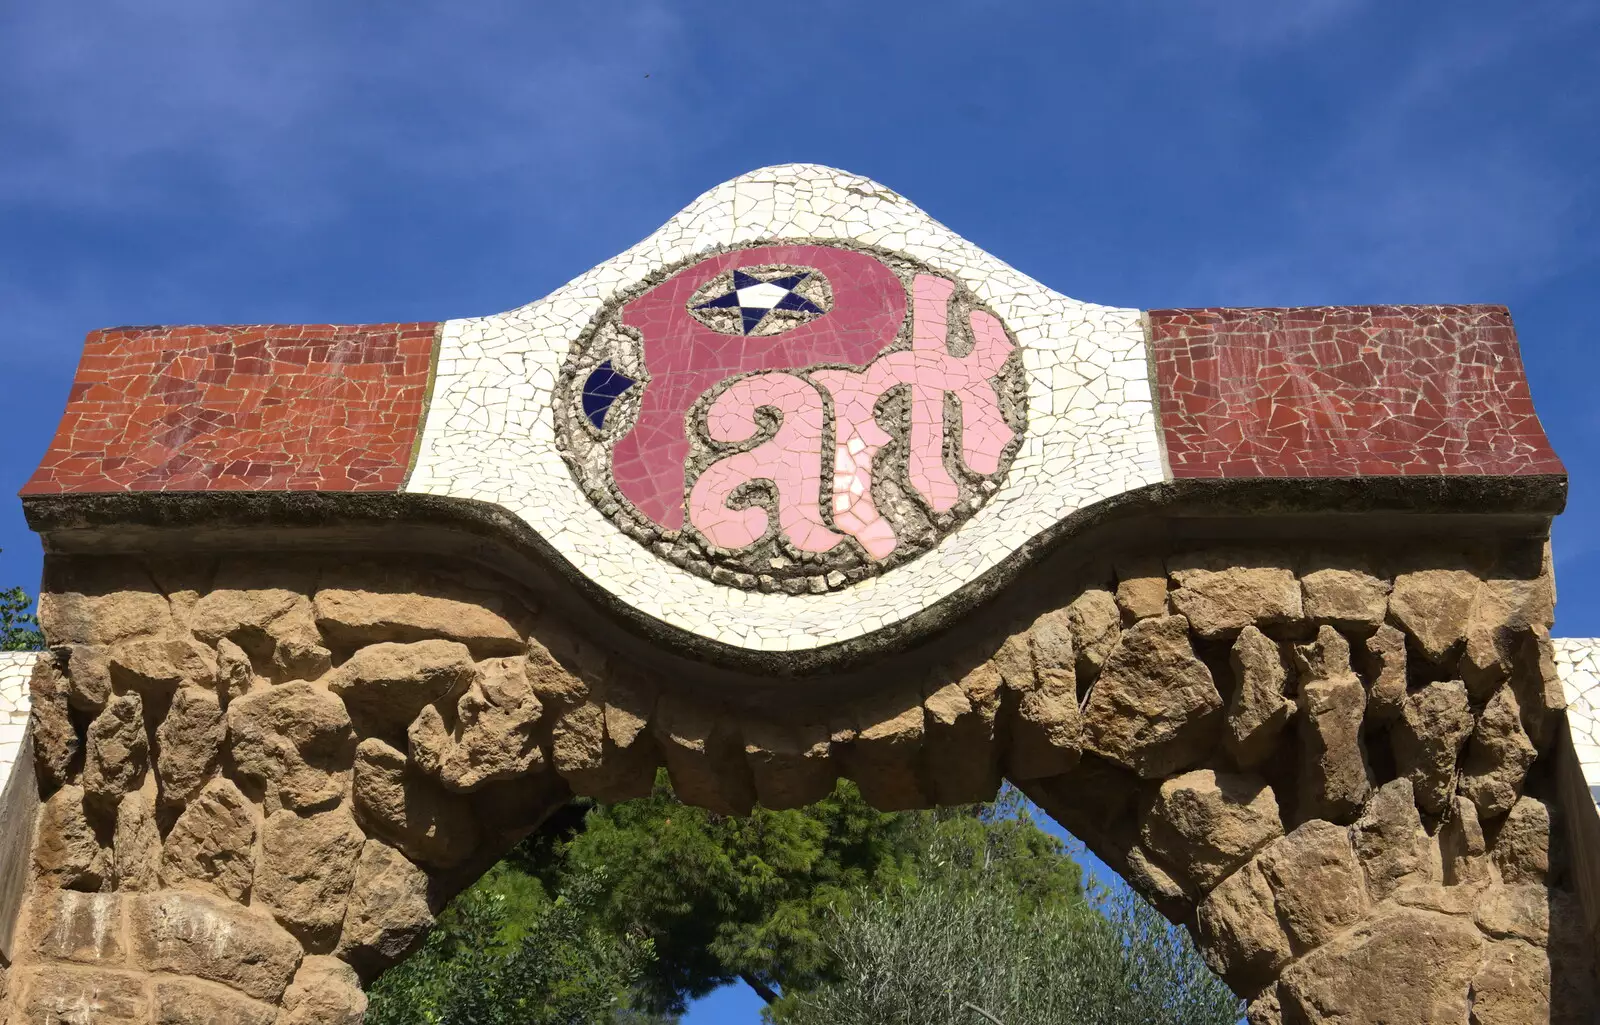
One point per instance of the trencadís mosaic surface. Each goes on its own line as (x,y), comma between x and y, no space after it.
(793,418)
(800,412)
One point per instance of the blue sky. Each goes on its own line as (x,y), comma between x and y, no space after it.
(188,162)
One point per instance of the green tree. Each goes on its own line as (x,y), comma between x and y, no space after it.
(19,630)
(975,953)
(726,899)
(548,964)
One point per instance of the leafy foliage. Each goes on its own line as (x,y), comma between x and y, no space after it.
(947,954)
(725,899)
(835,913)
(19,630)
(482,966)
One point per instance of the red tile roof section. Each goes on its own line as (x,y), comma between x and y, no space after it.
(1336,391)
(305,407)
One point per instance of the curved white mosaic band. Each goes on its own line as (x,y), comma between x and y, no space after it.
(490,433)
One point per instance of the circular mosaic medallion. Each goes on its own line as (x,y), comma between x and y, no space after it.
(792,418)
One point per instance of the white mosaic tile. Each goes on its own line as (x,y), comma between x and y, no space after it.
(1578,664)
(16,667)
(491,433)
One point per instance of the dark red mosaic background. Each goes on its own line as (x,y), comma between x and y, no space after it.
(1302,392)
(278,407)
(1345,390)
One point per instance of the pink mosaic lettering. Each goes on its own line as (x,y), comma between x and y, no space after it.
(858,438)
(928,369)
(791,459)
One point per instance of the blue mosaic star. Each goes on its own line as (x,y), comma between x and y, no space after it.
(754,298)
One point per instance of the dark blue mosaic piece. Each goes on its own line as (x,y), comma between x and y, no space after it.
(600,390)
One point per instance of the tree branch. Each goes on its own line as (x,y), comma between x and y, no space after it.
(764,991)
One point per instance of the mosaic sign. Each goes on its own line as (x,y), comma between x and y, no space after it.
(793,418)
(799,413)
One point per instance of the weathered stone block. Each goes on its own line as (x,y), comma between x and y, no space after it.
(212,938)
(884,756)
(136,846)
(1389,840)
(1433,606)
(67,996)
(1142,588)
(356,618)
(1386,651)
(1206,824)
(1154,708)
(1403,965)
(1046,730)
(72,617)
(275,625)
(1538,687)
(155,667)
(304,873)
(410,810)
(193,1002)
(325,991)
(960,720)
(1257,710)
(1349,598)
(492,733)
(118,750)
(1503,613)
(385,685)
(293,740)
(1159,884)
(236,674)
(1427,740)
(388,911)
(55,740)
(1461,845)
(69,926)
(1096,624)
(1512,987)
(66,853)
(1220,599)
(789,763)
(1498,757)
(189,744)
(212,845)
(1520,911)
(1334,776)
(1522,849)
(1241,937)
(1316,882)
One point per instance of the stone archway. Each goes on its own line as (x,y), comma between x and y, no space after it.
(254,766)
(1255,602)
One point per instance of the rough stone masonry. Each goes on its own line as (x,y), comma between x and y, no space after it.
(263,776)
